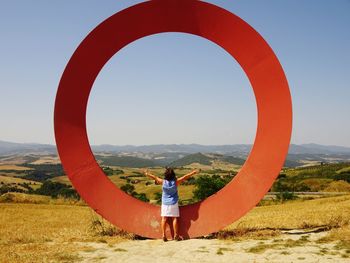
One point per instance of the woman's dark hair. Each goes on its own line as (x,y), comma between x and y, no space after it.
(169,174)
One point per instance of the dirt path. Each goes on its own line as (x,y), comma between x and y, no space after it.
(285,248)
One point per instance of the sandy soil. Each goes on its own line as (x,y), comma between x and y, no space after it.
(213,250)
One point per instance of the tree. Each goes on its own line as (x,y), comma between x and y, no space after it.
(343,176)
(206,186)
(128,188)
(283,196)
(285,190)
(55,189)
(141,196)
(302,187)
(107,170)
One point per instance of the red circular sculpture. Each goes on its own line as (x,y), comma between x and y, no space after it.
(265,75)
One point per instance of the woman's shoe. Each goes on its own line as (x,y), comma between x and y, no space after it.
(164,239)
(177,238)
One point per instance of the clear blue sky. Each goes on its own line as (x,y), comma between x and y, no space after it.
(175,88)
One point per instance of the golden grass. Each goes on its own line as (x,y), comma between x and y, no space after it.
(298,214)
(16,180)
(56,232)
(62,179)
(24,198)
(36,233)
(14,167)
(338,186)
(267,221)
(45,233)
(47,160)
(339,234)
(214,165)
(346,169)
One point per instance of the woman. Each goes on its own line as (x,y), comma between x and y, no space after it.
(170,197)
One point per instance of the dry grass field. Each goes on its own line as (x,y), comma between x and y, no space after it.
(49,230)
(45,232)
(13,167)
(14,181)
(62,179)
(298,214)
(17,180)
(215,165)
(47,160)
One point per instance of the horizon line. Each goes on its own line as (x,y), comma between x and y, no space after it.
(178,144)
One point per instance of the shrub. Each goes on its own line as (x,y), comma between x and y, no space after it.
(281,176)
(56,189)
(101,227)
(302,187)
(9,188)
(284,196)
(189,181)
(7,197)
(141,196)
(344,176)
(281,186)
(39,176)
(108,171)
(128,188)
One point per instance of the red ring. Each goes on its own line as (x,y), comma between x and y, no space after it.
(266,77)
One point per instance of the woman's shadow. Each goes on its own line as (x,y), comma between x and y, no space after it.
(188,214)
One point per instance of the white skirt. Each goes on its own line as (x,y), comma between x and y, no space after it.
(170,210)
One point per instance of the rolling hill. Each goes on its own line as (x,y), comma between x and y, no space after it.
(165,155)
(192,158)
(126,161)
(10,148)
(7,148)
(204,159)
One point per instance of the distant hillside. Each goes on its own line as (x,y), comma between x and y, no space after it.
(126,161)
(313,148)
(163,154)
(10,148)
(292,163)
(330,177)
(235,149)
(205,159)
(192,158)
(233,160)
(169,148)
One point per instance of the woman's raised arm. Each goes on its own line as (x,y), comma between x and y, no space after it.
(186,176)
(155,178)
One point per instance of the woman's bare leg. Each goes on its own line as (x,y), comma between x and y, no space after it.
(176,227)
(164,219)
